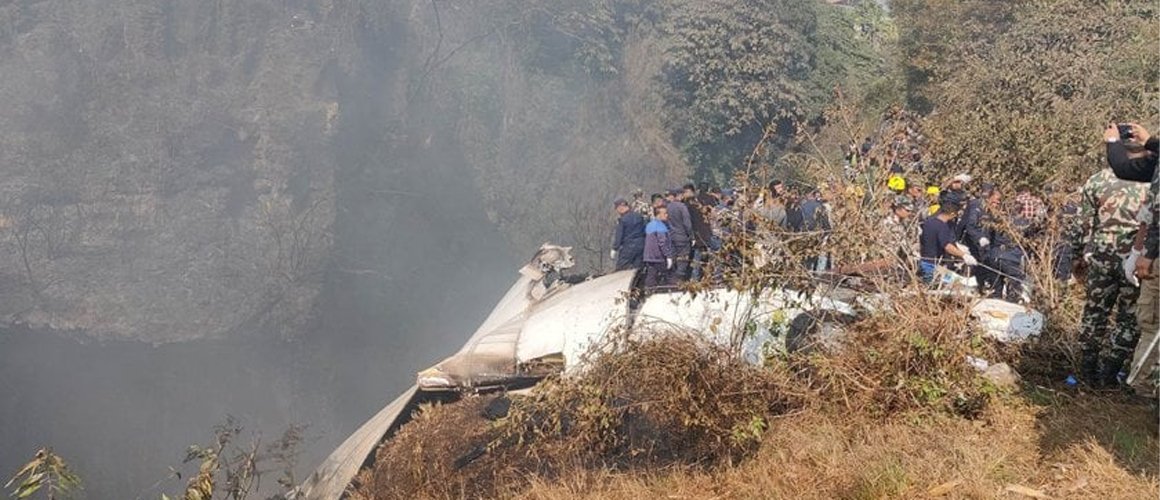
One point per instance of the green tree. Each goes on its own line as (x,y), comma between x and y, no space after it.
(731,70)
(935,35)
(1030,106)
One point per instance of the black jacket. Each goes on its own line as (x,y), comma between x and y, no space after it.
(1133,169)
(973,224)
(1004,246)
(1141,170)
(700,210)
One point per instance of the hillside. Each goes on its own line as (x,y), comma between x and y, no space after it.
(192,170)
(758,435)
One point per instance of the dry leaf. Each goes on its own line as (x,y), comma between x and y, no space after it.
(1023,490)
(1076,485)
(944,488)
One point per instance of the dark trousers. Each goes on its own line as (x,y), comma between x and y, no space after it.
(1008,277)
(1061,261)
(682,254)
(986,277)
(629,258)
(655,274)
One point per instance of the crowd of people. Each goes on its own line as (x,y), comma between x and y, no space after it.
(958,232)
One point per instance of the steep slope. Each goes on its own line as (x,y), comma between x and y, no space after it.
(165,164)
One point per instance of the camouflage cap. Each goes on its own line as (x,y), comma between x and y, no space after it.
(903,201)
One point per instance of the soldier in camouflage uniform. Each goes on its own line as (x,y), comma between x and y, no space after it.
(896,244)
(640,206)
(899,236)
(1141,166)
(1106,226)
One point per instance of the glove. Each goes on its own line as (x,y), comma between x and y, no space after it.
(963,248)
(612,254)
(969,260)
(668,263)
(1129,265)
(983,242)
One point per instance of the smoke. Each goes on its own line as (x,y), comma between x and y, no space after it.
(414,263)
(281,211)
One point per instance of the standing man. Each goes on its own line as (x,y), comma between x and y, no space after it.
(900,234)
(639,205)
(707,200)
(700,204)
(978,217)
(773,204)
(810,208)
(937,242)
(815,214)
(897,244)
(1141,167)
(917,196)
(976,224)
(1106,227)
(680,235)
(1006,257)
(628,240)
(658,250)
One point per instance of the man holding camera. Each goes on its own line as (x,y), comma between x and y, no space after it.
(1132,155)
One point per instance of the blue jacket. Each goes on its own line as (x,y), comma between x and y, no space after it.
(657,246)
(629,236)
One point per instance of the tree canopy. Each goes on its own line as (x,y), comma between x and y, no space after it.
(1020,90)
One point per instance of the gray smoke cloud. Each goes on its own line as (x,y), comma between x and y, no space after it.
(222,208)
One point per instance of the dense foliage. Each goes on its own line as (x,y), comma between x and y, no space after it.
(732,69)
(557,101)
(1019,91)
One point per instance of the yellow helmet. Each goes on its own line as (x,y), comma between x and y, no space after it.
(896,183)
(933,190)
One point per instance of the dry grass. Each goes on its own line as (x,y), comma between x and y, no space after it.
(908,358)
(1093,449)
(642,406)
(1065,446)
(675,419)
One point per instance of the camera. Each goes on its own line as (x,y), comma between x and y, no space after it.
(1125,131)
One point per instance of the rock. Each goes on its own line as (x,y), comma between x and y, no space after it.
(164,171)
(1001,375)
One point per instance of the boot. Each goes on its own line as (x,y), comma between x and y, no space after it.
(1110,372)
(1089,369)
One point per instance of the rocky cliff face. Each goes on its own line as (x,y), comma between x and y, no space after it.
(165,165)
(182,169)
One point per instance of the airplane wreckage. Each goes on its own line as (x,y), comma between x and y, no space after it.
(545,325)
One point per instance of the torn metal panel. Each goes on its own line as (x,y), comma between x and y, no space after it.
(565,322)
(330,479)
